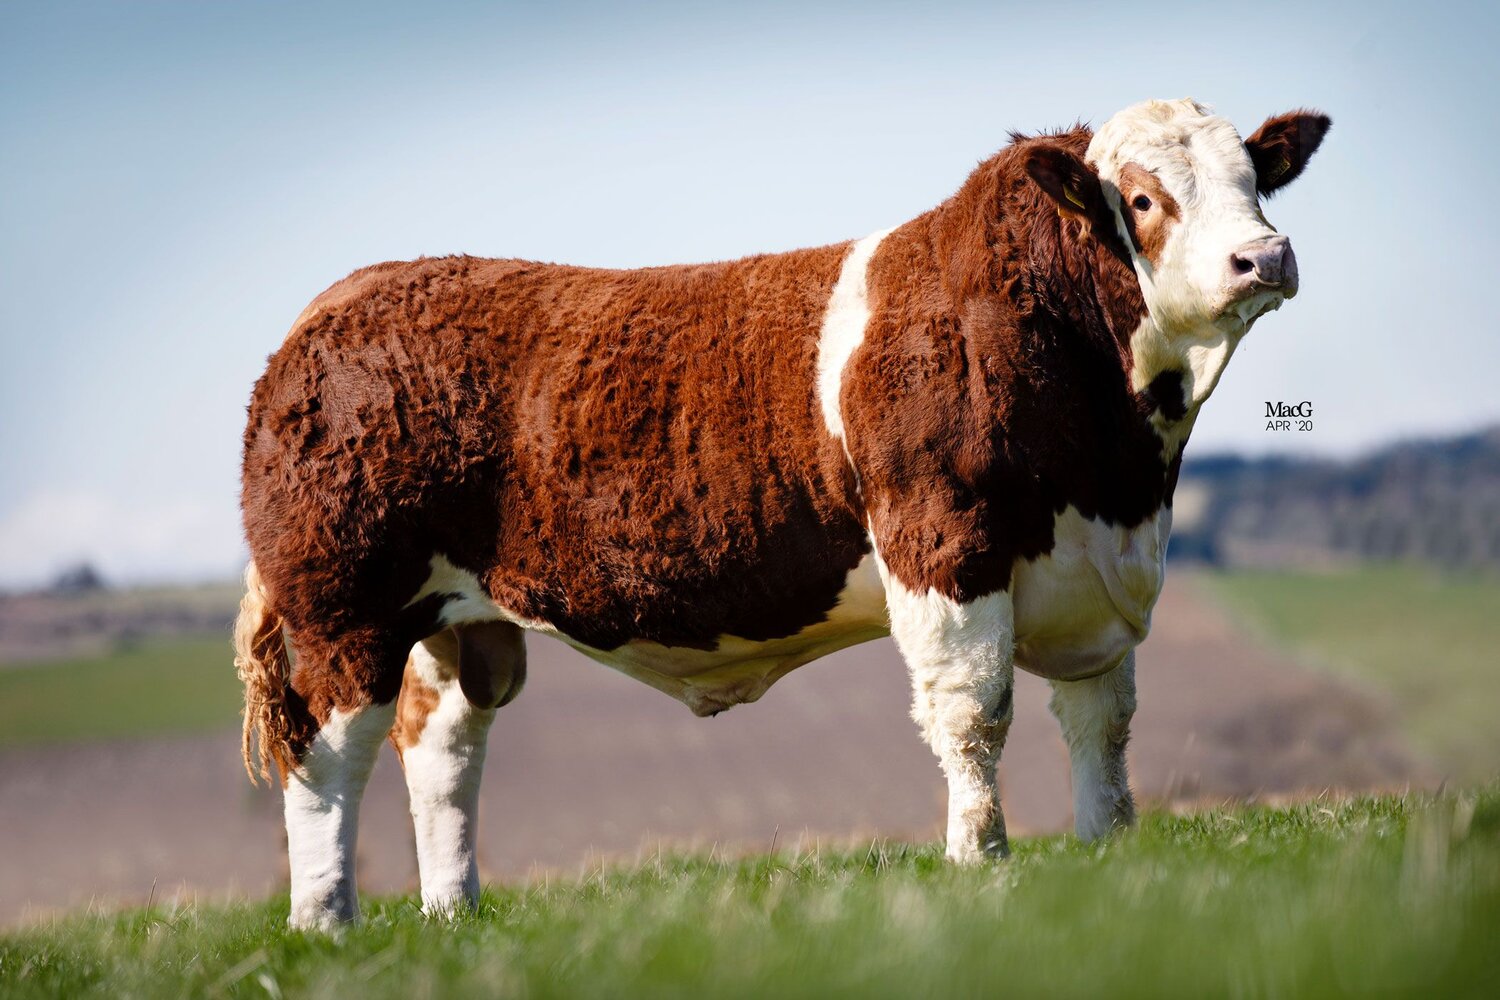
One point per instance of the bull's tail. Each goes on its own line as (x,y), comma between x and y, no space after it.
(260,658)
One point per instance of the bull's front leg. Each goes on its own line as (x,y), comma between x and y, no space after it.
(1095,716)
(960,658)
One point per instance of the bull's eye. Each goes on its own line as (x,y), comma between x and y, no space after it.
(1140,203)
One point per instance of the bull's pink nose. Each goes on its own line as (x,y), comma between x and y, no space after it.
(1264,265)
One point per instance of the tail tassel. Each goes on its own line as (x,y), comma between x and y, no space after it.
(264,668)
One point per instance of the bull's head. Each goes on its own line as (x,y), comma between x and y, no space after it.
(1181,191)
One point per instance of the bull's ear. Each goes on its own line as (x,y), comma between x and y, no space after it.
(1071,183)
(1282,146)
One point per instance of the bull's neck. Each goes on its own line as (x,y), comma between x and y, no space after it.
(1093,300)
(1077,305)
(1173,372)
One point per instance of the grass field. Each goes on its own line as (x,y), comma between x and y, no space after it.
(150,688)
(1431,642)
(1391,895)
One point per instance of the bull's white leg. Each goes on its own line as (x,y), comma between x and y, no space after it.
(443,755)
(1095,716)
(321,800)
(440,733)
(960,658)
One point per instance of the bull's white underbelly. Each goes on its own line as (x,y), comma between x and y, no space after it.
(735,671)
(1083,606)
(1078,610)
(740,670)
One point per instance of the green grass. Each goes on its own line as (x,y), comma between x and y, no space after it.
(154,687)
(1394,895)
(1431,642)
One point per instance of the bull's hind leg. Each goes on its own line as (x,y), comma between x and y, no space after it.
(350,704)
(961,662)
(454,682)
(1095,716)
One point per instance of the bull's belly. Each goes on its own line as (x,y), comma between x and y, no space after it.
(1082,607)
(1078,611)
(736,670)
(740,670)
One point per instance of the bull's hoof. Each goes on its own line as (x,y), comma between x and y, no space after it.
(1116,815)
(319,918)
(994,848)
(446,907)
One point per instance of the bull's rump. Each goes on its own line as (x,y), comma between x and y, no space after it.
(622,455)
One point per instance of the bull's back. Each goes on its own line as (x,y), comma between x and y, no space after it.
(622,455)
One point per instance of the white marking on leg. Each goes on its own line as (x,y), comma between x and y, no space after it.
(844,327)
(444,767)
(960,657)
(1095,716)
(322,799)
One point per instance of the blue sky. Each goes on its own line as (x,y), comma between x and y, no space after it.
(177,180)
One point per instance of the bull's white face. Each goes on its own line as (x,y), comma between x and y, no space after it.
(1184,193)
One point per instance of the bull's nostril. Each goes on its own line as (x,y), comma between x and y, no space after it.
(1243,266)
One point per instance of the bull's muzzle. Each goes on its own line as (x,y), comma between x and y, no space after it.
(1263,265)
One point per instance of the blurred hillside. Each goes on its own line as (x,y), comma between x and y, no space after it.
(1433,502)
(79,615)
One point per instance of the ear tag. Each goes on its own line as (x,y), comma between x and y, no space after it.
(1282,166)
(1072,196)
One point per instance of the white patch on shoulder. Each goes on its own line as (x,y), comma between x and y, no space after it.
(844,327)
(1081,607)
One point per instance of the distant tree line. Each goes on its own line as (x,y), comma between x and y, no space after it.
(79,578)
(1433,502)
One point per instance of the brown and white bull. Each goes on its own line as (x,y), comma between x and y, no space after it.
(963,431)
